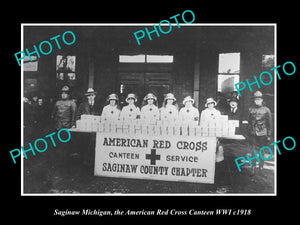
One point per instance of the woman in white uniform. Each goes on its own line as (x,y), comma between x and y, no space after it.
(188,114)
(149,111)
(210,113)
(111,112)
(169,110)
(130,111)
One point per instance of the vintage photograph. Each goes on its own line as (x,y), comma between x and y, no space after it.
(160,118)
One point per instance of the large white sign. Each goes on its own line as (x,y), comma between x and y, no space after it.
(188,159)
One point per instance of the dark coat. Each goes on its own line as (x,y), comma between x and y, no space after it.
(237,115)
(42,114)
(85,108)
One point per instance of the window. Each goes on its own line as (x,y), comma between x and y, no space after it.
(226,83)
(159,58)
(65,63)
(229,63)
(267,61)
(145,58)
(267,64)
(229,69)
(29,65)
(132,59)
(71,76)
(65,70)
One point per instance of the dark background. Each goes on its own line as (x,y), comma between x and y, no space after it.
(40,209)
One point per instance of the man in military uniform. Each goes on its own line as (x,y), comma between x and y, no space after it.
(64,117)
(64,110)
(260,126)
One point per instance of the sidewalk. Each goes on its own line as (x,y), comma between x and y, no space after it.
(44,174)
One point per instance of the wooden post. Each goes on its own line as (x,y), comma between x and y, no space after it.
(197,77)
(91,72)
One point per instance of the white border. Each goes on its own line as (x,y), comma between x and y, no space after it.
(151,24)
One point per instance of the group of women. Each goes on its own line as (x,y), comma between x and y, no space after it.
(150,112)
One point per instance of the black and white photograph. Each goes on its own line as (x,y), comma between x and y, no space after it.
(165,109)
(124,114)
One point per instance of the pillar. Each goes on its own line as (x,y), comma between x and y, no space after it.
(91,72)
(196,92)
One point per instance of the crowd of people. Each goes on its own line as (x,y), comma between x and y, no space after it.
(65,112)
(36,116)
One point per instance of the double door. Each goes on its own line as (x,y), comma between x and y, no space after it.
(156,79)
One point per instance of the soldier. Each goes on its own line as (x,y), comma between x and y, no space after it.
(188,113)
(111,111)
(130,111)
(260,126)
(169,110)
(64,110)
(64,117)
(149,111)
(210,113)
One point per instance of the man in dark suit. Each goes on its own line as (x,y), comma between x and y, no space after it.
(90,106)
(84,145)
(234,112)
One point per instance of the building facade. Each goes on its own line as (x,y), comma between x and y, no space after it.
(200,60)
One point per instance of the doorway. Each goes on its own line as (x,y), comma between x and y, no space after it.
(142,78)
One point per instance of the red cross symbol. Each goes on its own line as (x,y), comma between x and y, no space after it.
(153,157)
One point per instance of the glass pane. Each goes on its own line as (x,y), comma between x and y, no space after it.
(65,63)
(29,65)
(71,76)
(60,76)
(226,82)
(229,63)
(159,59)
(268,61)
(131,58)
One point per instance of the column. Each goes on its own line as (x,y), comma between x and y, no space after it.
(196,77)
(91,72)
